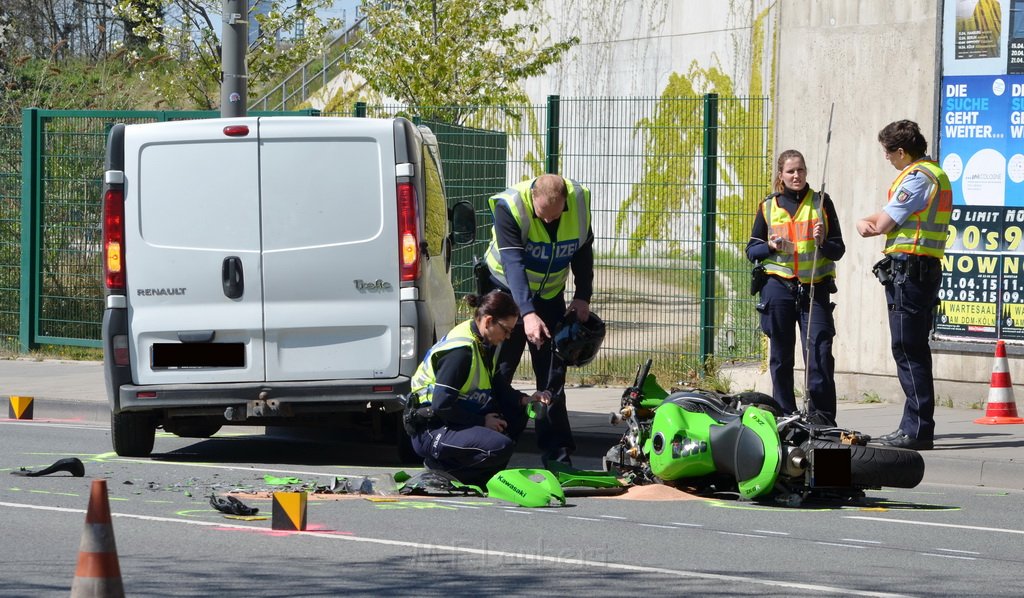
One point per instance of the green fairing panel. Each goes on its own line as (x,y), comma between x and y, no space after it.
(763,423)
(684,449)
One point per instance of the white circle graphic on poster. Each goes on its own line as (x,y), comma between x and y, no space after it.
(953,164)
(998,86)
(984,179)
(1015,168)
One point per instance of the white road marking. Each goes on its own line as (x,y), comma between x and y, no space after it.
(958,551)
(612,517)
(978,528)
(766,531)
(583,518)
(948,556)
(505,556)
(51,424)
(859,540)
(739,534)
(685,524)
(656,525)
(838,544)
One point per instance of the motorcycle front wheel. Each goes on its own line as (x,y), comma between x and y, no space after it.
(878,466)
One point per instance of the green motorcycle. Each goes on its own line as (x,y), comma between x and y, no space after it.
(741,444)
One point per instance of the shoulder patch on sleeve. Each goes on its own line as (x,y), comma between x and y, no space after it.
(903,196)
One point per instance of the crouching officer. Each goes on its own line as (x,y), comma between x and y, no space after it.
(796,241)
(915,223)
(461,417)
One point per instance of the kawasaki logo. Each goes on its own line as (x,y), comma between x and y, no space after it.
(152,292)
(377,285)
(512,486)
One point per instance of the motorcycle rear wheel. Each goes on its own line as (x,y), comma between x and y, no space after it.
(878,466)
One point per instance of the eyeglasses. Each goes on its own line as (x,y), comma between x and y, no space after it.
(508,331)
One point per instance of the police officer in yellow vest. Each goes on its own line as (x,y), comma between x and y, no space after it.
(915,222)
(796,239)
(542,231)
(463,417)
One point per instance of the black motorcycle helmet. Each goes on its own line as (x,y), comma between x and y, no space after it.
(575,342)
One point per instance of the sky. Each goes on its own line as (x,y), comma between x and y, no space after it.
(341,9)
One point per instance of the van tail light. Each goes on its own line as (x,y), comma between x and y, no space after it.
(408,233)
(113,239)
(120,350)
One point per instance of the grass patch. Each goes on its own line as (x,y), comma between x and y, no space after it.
(870,397)
(57,352)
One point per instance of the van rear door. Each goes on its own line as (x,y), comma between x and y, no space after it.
(330,248)
(191,220)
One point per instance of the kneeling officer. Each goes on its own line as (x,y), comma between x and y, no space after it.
(462,417)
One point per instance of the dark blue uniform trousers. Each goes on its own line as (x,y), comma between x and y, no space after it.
(911,312)
(470,453)
(784,306)
(554,435)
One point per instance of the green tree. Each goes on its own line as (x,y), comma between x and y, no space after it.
(464,53)
(182,58)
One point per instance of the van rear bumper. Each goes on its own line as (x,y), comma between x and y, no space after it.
(274,399)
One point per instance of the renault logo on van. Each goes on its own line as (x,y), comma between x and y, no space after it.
(372,287)
(154,292)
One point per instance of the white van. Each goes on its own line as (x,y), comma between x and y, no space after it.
(271,271)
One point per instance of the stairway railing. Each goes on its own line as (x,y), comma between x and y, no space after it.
(315,74)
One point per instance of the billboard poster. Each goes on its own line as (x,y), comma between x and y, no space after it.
(976,36)
(1011,287)
(1015,44)
(971,271)
(981,138)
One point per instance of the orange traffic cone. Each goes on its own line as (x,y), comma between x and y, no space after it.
(1001,408)
(98,574)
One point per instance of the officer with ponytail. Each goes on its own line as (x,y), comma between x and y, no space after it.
(795,243)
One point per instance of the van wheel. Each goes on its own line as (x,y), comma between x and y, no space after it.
(403,444)
(406,454)
(192,429)
(132,434)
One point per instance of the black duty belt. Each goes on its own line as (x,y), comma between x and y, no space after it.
(916,265)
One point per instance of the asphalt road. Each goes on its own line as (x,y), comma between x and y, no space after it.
(930,541)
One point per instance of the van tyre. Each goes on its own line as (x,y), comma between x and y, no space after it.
(132,434)
(878,466)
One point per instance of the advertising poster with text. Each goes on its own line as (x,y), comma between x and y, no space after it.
(981,148)
(977,36)
(1011,281)
(982,139)
(969,295)
(1015,44)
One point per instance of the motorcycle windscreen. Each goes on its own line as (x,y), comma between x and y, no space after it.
(330,249)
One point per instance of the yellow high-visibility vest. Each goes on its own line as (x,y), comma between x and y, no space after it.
(547,262)
(799,229)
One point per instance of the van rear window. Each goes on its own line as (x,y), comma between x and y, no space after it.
(198,355)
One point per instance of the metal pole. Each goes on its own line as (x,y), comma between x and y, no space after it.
(814,266)
(31,208)
(709,209)
(551,167)
(234,42)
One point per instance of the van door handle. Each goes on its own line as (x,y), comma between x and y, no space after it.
(231,275)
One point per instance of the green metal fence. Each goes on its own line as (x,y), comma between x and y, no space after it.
(674,183)
(10,235)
